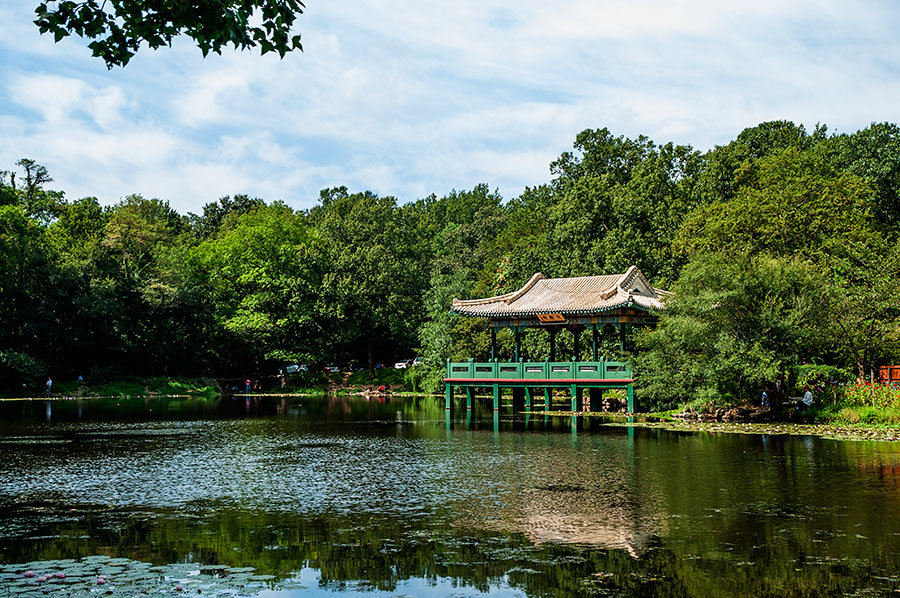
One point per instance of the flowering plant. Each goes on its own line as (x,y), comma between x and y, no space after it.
(870,394)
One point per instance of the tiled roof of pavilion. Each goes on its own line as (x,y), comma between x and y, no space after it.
(583,295)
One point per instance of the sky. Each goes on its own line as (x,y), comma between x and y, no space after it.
(412,98)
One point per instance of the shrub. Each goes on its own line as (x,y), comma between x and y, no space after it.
(382,376)
(819,376)
(18,370)
(306,380)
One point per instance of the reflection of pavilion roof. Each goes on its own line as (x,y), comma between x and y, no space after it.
(589,529)
(568,296)
(598,502)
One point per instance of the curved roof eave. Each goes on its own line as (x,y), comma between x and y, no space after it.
(577,312)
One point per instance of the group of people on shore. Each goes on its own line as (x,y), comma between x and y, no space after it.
(804,403)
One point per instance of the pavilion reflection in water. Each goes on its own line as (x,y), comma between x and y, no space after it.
(598,500)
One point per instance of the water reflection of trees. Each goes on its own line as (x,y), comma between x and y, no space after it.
(381,552)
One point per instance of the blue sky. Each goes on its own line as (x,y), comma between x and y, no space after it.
(413,98)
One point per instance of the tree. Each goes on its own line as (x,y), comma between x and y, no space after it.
(734,326)
(599,154)
(135,227)
(468,223)
(120,27)
(217,213)
(717,180)
(372,282)
(29,297)
(264,278)
(790,202)
(874,154)
(28,191)
(865,304)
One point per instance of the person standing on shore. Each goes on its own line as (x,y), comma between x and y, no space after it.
(47,386)
(764,401)
(247,385)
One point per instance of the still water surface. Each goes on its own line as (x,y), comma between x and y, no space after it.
(328,496)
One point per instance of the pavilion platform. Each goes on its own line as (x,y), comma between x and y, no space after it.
(532,382)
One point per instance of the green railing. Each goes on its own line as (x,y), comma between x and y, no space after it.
(539,370)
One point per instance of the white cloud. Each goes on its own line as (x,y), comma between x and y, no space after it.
(54,97)
(409,99)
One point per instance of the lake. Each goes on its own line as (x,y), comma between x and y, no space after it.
(328,496)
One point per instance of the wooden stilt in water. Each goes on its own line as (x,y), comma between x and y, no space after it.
(518,399)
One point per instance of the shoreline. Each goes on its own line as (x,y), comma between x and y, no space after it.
(875,432)
(857,432)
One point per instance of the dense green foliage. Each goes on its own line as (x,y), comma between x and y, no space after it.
(119,28)
(781,248)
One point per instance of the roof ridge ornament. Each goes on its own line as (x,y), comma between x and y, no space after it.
(629,276)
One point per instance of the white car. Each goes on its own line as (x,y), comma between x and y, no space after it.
(402,365)
(296,367)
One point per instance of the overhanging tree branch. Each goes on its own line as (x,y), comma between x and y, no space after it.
(120,29)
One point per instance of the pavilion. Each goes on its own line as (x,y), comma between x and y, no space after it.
(595,303)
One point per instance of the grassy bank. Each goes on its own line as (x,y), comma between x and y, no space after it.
(856,415)
(125,386)
(298,383)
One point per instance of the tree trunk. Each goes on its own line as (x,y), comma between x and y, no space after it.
(780,388)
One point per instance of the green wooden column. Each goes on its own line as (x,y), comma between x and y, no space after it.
(448,398)
(496,398)
(629,393)
(493,343)
(594,341)
(576,393)
(470,397)
(548,399)
(528,398)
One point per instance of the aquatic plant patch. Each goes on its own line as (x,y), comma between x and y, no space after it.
(103,575)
